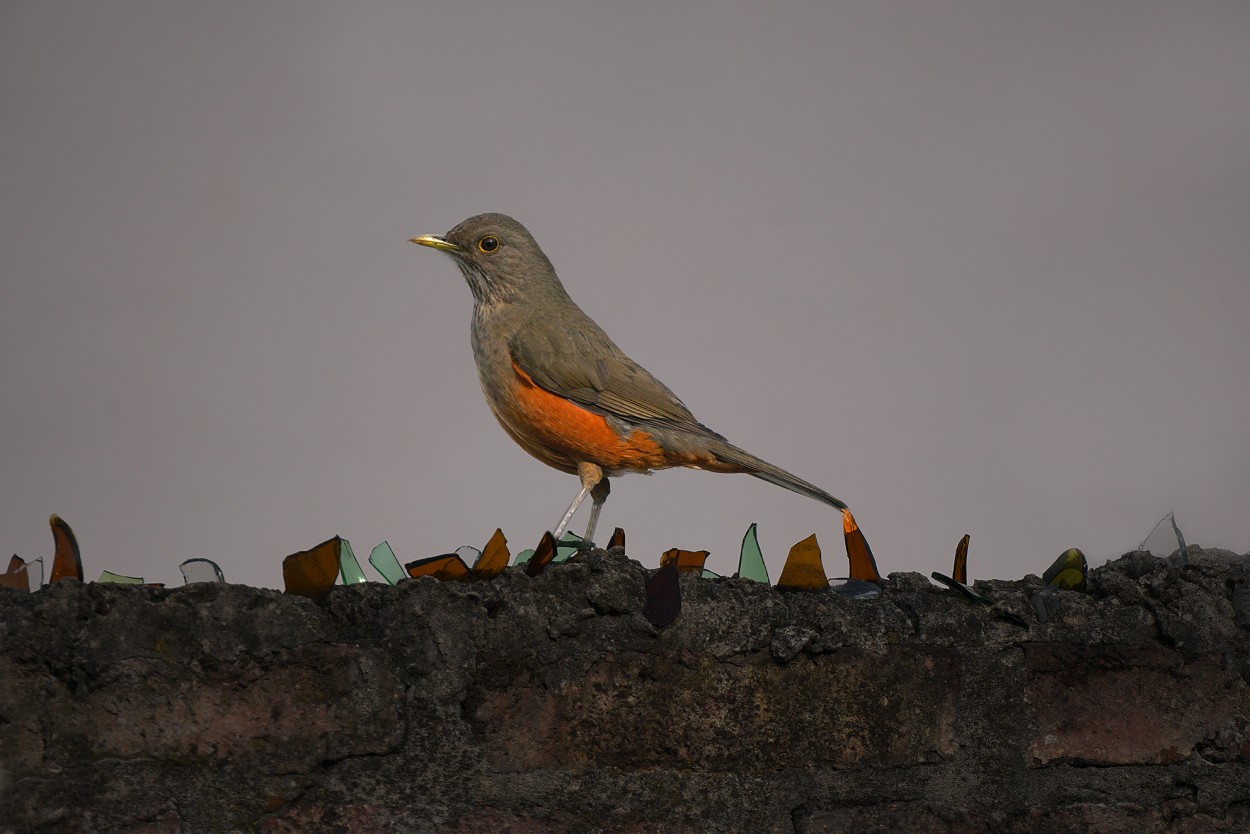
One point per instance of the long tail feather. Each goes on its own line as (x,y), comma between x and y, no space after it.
(765,471)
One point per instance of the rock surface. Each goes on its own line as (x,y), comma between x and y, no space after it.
(551,705)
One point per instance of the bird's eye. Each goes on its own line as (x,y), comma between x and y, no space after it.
(488,244)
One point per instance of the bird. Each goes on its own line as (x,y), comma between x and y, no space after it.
(562,389)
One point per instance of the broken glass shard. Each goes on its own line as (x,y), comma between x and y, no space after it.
(1046,603)
(311,573)
(686,561)
(17,576)
(34,569)
(1164,540)
(751,560)
(857,589)
(862,563)
(67,563)
(663,596)
(201,570)
(959,582)
(524,556)
(709,574)
(803,569)
(494,557)
(618,538)
(447,567)
(349,568)
(1069,571)
(960,571)
(118,579)
(568,546)
(542,556)
(384,562)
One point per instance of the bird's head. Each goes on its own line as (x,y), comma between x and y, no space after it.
(499,258)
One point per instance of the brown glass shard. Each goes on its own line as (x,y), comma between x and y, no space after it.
(16,577)
(960,571)
(67,563)
(663,596)
(803,569)
(494,557)
(311,573)
(863,564)
(543,554)
(686,561)
(447,567)
(618,538)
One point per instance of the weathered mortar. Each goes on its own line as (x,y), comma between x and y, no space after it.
(550,704)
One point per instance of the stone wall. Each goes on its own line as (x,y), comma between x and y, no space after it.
(551,705)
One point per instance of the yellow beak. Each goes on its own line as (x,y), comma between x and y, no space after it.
(435,242)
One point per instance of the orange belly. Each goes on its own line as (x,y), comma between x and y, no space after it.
(561,433)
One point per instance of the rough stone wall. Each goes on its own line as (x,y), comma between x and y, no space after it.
(551,705)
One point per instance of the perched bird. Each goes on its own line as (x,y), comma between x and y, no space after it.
(1068,571)
(562,389)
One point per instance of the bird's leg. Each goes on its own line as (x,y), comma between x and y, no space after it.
(598,494)
(590,475)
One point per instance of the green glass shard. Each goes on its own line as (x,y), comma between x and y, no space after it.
(384,562)
(709,574)
(564,551)
(117,578)
(349,568)
(201,570)
(524,556)
(751,562)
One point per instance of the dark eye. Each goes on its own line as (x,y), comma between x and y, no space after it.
(488,244)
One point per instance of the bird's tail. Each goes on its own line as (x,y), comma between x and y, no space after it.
(765,471)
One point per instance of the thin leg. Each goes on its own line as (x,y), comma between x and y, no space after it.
(568,514)
(597,496)
(591,476)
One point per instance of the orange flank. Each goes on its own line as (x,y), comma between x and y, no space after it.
(562,433)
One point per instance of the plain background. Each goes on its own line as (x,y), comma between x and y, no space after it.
(972,267)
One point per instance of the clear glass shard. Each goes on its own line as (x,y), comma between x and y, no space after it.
(201,570)
(118,579)
(751,560)
(384,562)
(34,571)
(1165,539)
(349,568)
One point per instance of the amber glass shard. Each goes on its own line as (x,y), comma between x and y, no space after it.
(858,553)
(311,573)
(543,554)
(448,567)
(524,556)
(960,572)
(118,579)
(1069,571)
(663,596)
(618,538)
(494,557)
(686,561)
(567,547)
(349,567)
(751,559)
(67,563)
(803,569)
(384,562)
(17,576)
(201,570)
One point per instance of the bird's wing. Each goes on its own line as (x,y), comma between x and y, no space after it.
(587,368)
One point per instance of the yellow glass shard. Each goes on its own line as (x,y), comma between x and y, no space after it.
(1069,571)
(118,579)
(803,569)
(686,561)
(494,557)
(863,564)
(448,567)
(543,554)
(311,573)
(67,563)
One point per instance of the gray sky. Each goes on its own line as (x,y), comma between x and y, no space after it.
(971,267)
